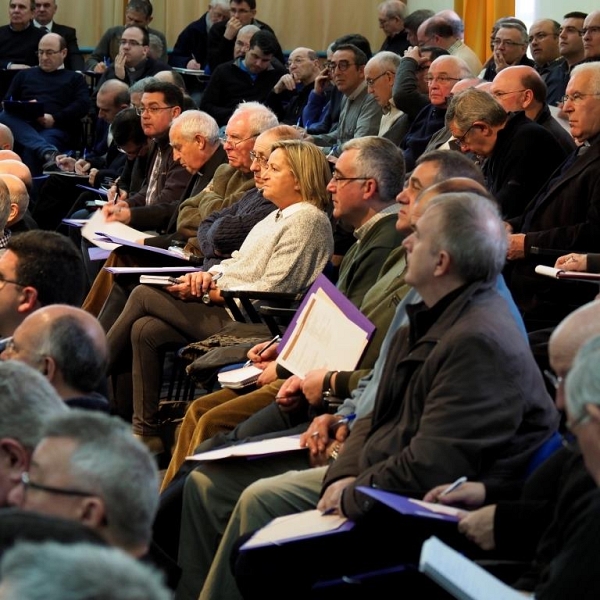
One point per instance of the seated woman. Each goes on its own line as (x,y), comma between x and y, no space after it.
(282,253)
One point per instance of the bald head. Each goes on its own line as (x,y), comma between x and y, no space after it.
(18,169)
(6,154)
(571,333)
(65,343)
(19,198)
(6,137)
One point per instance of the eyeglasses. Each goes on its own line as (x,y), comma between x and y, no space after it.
(342,65)
(4,281)
(140,110)
(440,79)
(235,143)
(130,42)
(47,52)
(27,483)
(539,37)
(336,178)
(371,82)
(130,153)
(6,343)
(461,140)
(590,30)
(507,43)
(262,161)
(576,97)
(554,380)
(502,94)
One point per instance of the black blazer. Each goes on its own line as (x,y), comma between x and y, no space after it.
(74,60)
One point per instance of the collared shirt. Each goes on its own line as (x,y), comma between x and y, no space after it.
(390,115)
(360,232)
(47,26)
(4,237)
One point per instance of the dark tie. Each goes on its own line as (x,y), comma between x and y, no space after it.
(44,29)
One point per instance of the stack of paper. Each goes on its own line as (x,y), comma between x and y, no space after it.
(239,378)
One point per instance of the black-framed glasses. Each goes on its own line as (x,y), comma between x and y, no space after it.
(262,161)
(507,43)
(539,37)
(140,110)
(235,143)
(440,79)
(576,97)
(342,65)
(591,30)
(502,94)
(371,82)
(336,177)
(4,281)
(133,43)
(460,140)
(554,380)
(27,483)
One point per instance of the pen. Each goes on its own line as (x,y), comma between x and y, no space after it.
(117,191)
(344,421)
(454,486)
(275,339)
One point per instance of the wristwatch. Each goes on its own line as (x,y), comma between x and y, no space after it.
(206,298)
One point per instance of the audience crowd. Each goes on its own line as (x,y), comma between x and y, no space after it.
(454,202)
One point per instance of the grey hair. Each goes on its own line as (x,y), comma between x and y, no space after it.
(111,463)
(196,122)
(81,362)
(382,160)
(472,105)
(55,571)
(582,385)
(250,28)
(471,231)
(262,118)
(393,8)
(27,401)
(224,3)
(139,86)
(390,61)
(521,30)
(592,69)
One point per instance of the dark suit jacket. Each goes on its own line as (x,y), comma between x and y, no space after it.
(564,216)
(74,60)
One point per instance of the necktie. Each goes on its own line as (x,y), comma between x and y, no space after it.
(44,29)
(153,182)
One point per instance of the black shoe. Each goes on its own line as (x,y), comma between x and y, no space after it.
(49,160)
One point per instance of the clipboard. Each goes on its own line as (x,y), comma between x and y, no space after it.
(28,111)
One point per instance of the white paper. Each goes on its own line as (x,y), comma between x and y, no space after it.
(97,224)
(239,378)
(140,270)
(324,338)
(286,443)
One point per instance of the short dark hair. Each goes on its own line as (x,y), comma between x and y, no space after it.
(52,264)
(266,42)
(434,51)
(356,39)
(416,18)
(359,56)
(127,127)
(576,14)
(143,6)
(250,3)
(145,34)
(452,164)
(172,94)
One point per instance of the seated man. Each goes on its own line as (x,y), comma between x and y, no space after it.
(222,36)
(360,114)
(519,155)
(245,79)
(544,47)
(133,63)
(191,47)
(509,46)
(44,21)
(19,39)
(46,340)
(27,401)
(65,100)
(391,15)
(137,12)
(112,478)
(37,270)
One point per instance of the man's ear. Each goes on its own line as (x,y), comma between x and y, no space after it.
(92,512)
(15,456)
(14,211)
(28,300)
(49,369)
(442,266)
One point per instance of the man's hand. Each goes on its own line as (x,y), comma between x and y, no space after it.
(286,82)
(478,526)
(193,64)
(264,352)
(470,494)
(65,163)
(100,67)
(500,61)
(233,26)
(516,246)
(290,393)
(331,499)
(269,374)
(321,81)
(82,167)
(119,65)
(18,67)
(317,437)
(117,212)
(572,262)
(92,178)
(198,282)
(112,195)
(46,121)
(312,386)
